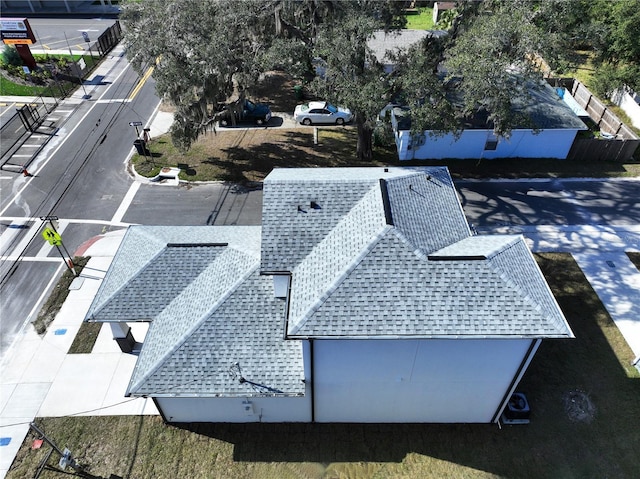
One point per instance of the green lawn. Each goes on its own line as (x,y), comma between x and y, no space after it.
(594,369)
(9,88)
(421,21)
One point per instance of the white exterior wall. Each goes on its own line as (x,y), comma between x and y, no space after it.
(630,103)
(224,409)
(471,144)
(259,409)
(438,381)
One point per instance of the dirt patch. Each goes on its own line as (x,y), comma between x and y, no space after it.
(578,406)
(274,89)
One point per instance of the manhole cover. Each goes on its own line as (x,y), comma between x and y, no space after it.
(579,407)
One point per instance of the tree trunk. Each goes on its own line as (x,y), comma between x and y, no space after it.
(365,140)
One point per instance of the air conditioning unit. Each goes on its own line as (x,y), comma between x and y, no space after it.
(517,410)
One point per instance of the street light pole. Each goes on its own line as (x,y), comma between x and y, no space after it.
(77,68)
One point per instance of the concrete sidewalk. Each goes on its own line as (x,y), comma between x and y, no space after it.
(600,253)
(39,379)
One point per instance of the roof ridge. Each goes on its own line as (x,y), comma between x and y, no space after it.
(133,230)
(504,275)
(510,241)
(339,279)
(403,237)
(124,285)
(371,227)
(157,363)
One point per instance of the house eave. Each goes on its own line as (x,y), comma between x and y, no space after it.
(479,336)
(217,395)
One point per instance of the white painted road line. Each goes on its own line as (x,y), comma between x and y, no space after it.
(9,234)
(115,100)
(28,238)
(126,202)
(64,140)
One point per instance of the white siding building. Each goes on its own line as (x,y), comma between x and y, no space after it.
(363,297)
(556,129)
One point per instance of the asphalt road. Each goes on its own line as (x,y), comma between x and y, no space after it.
(65,33)
(551,202)
(196,204)
(81,178)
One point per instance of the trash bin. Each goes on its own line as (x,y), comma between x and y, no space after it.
(297,91)
(141,147)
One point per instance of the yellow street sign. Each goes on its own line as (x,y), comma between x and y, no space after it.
(52,237)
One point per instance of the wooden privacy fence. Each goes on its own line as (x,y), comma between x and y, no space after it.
(591,149)
(623,142)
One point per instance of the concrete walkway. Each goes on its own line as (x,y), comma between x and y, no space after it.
(39,379)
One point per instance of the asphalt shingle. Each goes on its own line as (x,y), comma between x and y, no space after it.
(372,253)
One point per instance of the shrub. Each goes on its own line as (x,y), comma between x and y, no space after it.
(383,135)
(10,56)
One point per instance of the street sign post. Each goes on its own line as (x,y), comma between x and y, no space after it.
(52,237)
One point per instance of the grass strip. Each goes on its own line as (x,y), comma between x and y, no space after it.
(249,155)
(85,338)
(58,295)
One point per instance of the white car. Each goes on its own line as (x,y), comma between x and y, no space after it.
(317,112)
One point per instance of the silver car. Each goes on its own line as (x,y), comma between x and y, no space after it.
(318,112)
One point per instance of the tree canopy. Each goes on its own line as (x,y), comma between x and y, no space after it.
(205,51)
(210,51)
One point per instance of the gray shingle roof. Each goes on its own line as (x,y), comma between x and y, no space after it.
(548,111)
(394,292)
(383,42)
(210,309)
(425,208)
(195,354)
(402,263)
(145,267)
(372,253)
(292,227)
